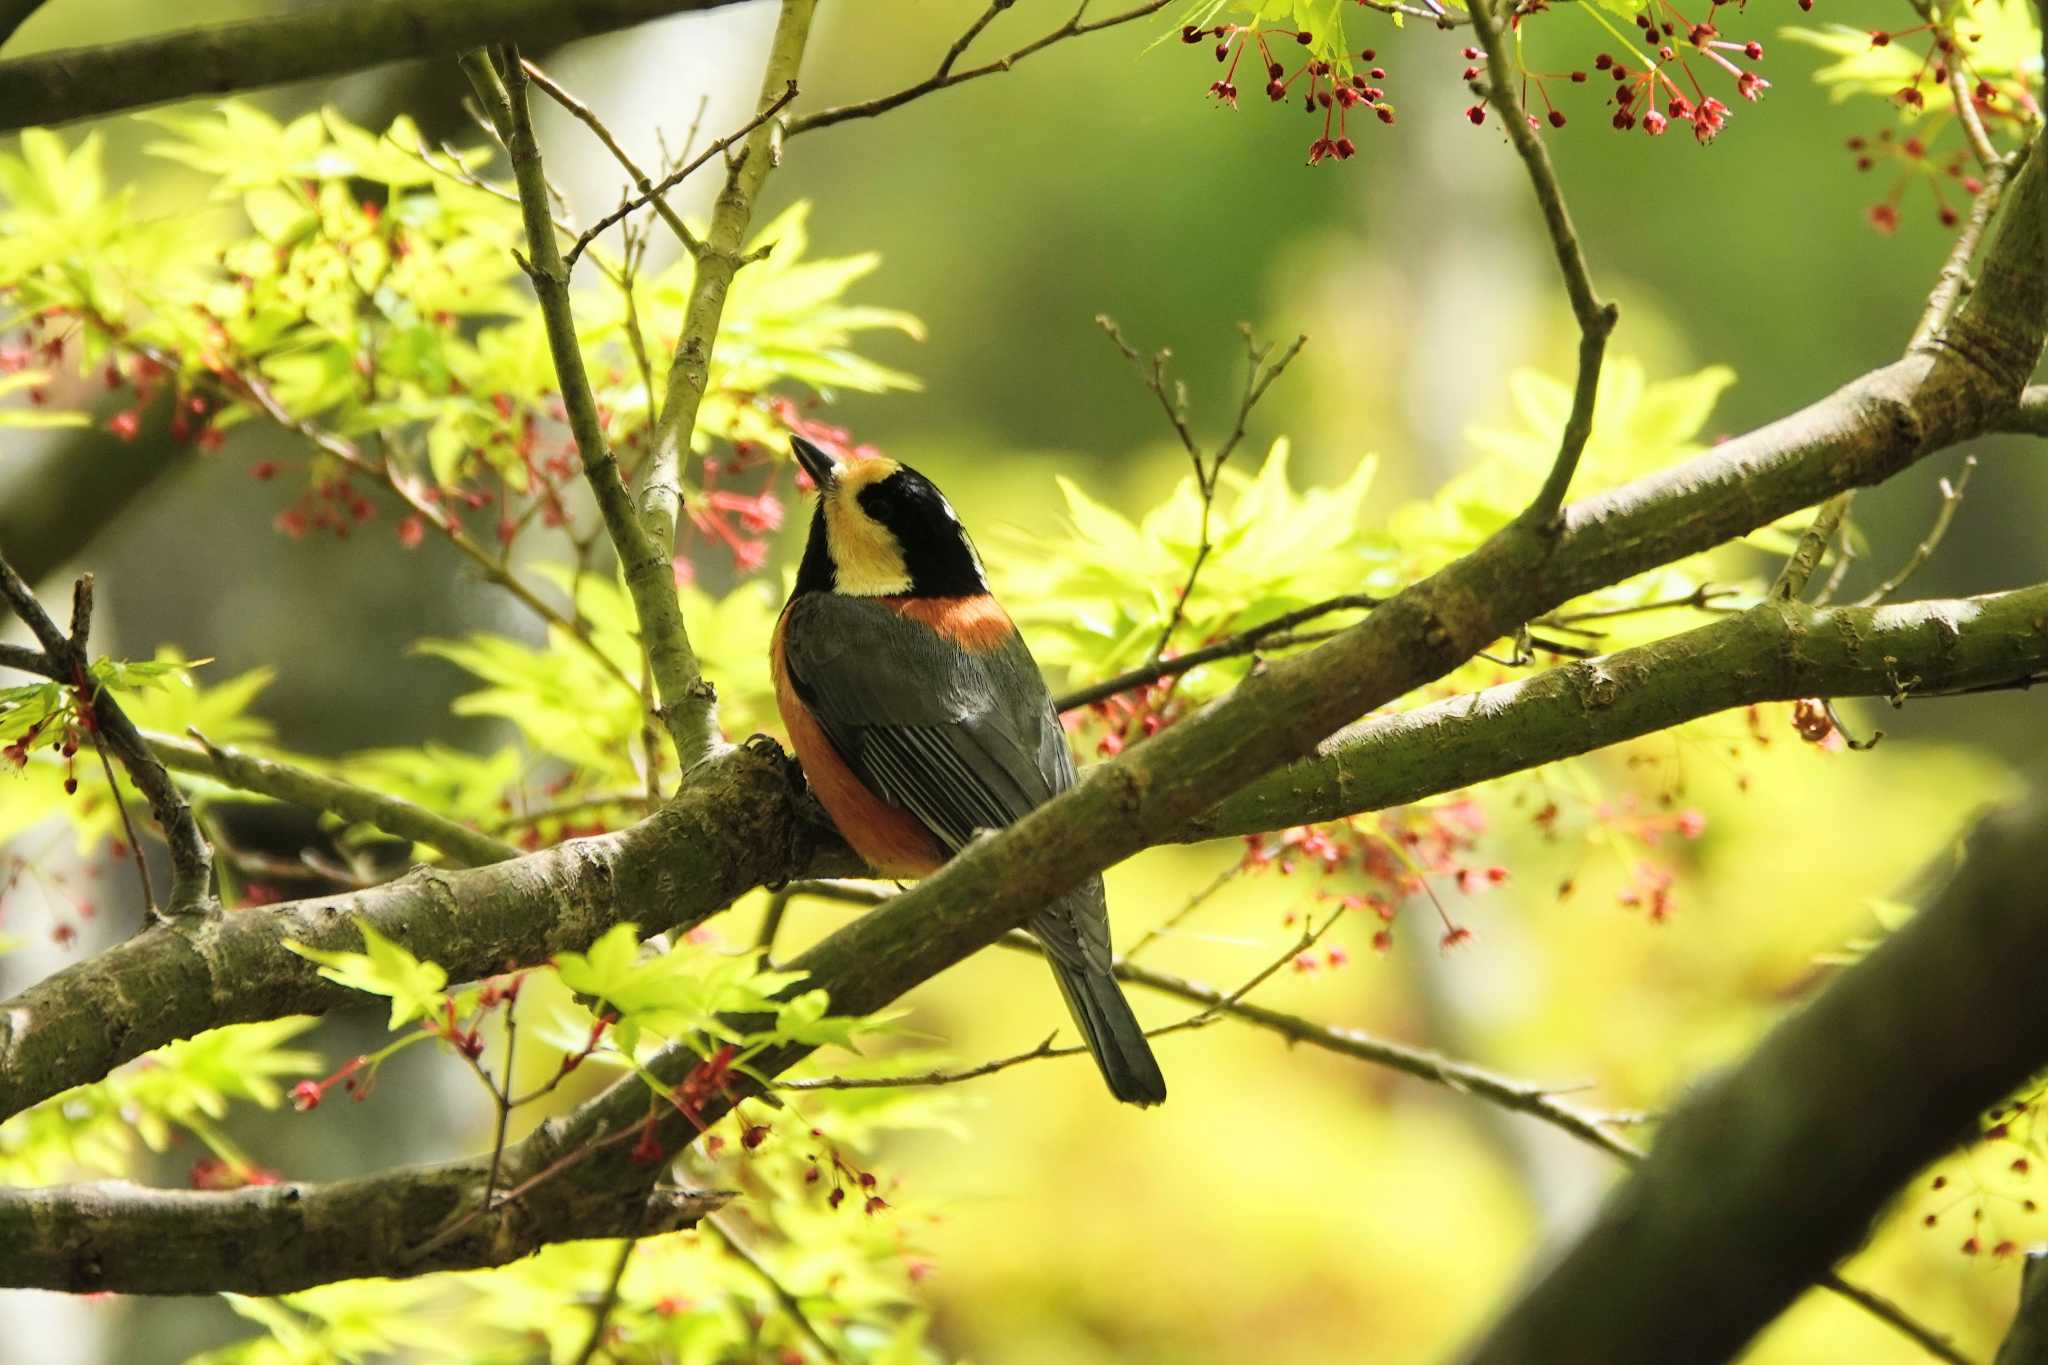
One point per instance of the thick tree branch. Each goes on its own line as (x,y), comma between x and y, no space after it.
(1773,1172)
(464,847)
(737,829)
(698,854)
(308,43)
(191,855)
(1769,653)
(684,708)
(1596,319)
(2030,417)
(2012,286)
(274,1239)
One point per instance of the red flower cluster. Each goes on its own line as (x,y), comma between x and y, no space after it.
(1322,85)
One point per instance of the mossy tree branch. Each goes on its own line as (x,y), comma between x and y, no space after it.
(275,1239)
(700,853)
(729,834)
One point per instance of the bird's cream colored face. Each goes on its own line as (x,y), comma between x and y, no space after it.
(866,556)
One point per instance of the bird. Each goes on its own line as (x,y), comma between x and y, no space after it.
(920,718)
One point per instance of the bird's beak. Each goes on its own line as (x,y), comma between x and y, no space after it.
(816,462)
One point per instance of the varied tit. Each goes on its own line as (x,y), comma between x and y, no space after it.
(919,717)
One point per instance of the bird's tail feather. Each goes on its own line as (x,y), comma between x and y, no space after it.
(1112,1033)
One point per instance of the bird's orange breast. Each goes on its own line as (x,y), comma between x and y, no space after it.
(894,842)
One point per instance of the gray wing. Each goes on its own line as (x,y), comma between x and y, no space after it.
(964,741)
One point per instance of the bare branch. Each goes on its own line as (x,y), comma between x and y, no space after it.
(1951,498)
(274,1239)
(1244,642)
(652,193)
(600,1316)
(2029,416)
(1813,544)
(1259,376)
(791,1307)
(946,76)
(1955,271)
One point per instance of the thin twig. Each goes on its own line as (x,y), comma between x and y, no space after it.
(1187,907)
(601,1314)
(1201,1019)
(946,76)
(1954,280)
(1890,1313)
(1244,642)
(1951,498)
(1813,543)
(1259,377)
(771,918)
(1522,1097)
(783,1296)
(381,473)
(1596,319)
(649,192)
(502,1094)
(652,193)
(1701,598)
(191,855)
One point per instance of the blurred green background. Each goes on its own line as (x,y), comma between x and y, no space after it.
(1285,1206)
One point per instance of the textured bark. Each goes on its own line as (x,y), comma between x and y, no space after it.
(737,829)
(1776,652)
(275,1239)
(745,828)
(1769,1175)
(322,40)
